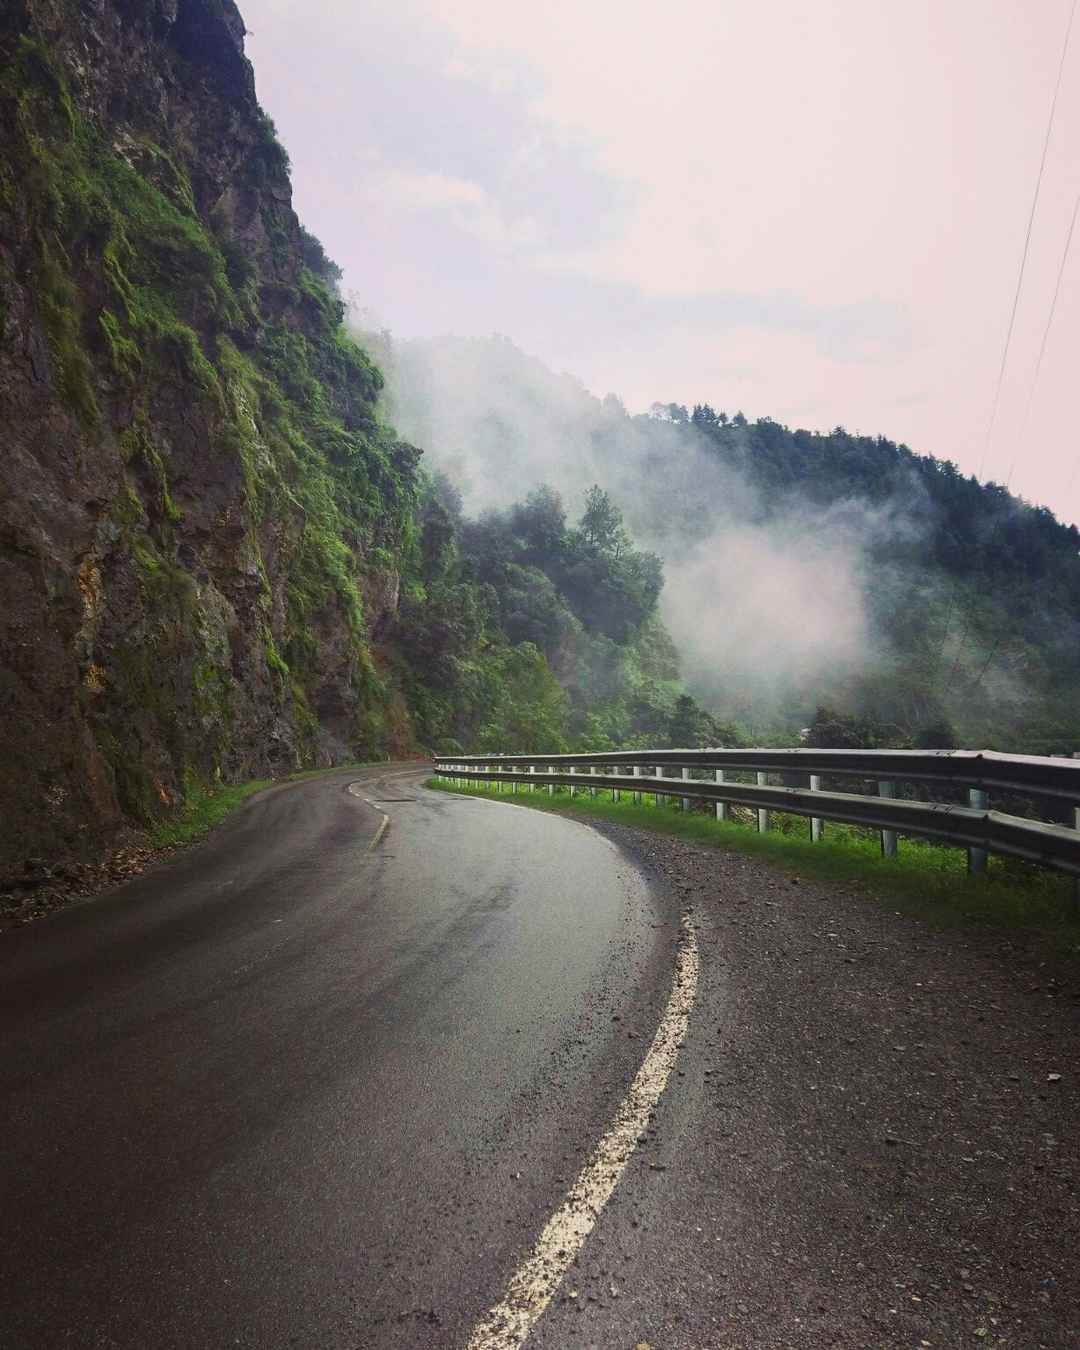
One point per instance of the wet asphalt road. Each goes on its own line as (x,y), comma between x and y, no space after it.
(290,1091)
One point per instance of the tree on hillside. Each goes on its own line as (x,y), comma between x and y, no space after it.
(540,523)
(832,730)
(692,728)
(703,416)
(602,522)
(689,724)
(612,587)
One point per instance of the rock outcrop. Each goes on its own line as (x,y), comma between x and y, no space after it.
(201,517)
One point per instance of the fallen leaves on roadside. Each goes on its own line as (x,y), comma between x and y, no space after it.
(42,887)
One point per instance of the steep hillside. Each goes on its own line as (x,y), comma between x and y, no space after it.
(202,522)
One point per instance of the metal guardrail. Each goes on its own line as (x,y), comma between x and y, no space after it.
(975,827)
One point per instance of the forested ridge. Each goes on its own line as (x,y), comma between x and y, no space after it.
(979,605)
(976,591)
(977,530)
(910,601)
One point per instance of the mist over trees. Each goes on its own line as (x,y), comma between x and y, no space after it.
(529,632)
(801,569)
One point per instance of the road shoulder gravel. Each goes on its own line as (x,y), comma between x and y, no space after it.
(872,1141)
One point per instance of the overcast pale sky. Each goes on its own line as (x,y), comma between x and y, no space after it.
(811,211)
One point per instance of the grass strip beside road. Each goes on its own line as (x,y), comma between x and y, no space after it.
(204,808)
(929,881)
(56,884)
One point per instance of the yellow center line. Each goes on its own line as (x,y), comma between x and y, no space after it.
(508,1322)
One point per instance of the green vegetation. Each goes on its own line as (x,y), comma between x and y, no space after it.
(926,880)
(136,227)
(203,808)
(522,629)
(185,349)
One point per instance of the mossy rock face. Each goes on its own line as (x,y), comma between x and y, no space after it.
(202,519)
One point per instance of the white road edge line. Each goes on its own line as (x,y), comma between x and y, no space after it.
(384,824)
(509,1322)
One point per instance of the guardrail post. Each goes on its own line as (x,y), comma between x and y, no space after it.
(532,769)
(637,774)
(762,815)
(592,774)
(1076,880)
(657,798)
(888,837)
(686,800)
(816,822)
(551,786)
(721,807)
(976,856)
(616,795)
(1076,826)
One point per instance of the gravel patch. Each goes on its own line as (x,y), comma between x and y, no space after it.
(43,888)
(874,1142)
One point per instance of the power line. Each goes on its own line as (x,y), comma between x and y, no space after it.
(1009,331)
(1027,243)
(1046,334)
(1027,418)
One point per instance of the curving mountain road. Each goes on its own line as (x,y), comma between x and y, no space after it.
(292,1089)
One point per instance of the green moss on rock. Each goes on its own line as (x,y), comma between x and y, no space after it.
(208,596)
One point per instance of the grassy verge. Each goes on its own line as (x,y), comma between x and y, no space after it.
(201,811)
(205,808)
(927,880)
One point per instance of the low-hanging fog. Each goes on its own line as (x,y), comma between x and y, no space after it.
(766,601)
